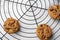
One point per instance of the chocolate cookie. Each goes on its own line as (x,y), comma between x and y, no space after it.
(11,25)
(54,11)
(43,32)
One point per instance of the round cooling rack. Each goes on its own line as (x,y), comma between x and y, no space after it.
(29,13)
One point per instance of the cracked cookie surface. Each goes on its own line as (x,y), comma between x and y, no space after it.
(54,12)
(43,31)
(11,25)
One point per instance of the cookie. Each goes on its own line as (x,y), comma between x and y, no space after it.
(54,12)
(11,25)
(44,32)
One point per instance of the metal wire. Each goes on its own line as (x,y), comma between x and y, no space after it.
(24,14)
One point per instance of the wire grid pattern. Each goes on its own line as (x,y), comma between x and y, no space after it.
(29,13)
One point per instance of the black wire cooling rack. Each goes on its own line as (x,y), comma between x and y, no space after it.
(29,13)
